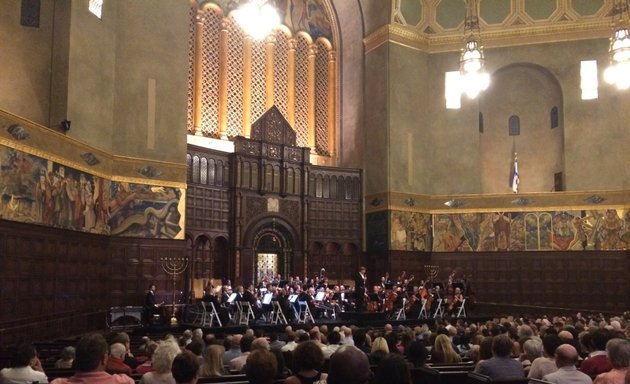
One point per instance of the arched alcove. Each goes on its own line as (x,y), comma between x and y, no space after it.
(521,93)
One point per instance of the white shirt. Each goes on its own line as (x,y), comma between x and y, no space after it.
(22,375)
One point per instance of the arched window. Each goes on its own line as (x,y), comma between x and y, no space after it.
(514,126)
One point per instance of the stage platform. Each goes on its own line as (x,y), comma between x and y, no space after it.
(359,319)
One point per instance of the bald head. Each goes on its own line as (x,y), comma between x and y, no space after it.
(566,355)
(349,365)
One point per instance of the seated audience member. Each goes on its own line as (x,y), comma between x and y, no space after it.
(213,362)
(185,367)
(545,364)
(532,349)
(237,363)
(417,354)
(443,351)
(485,351)
(115,363)
(147,366)
(162,362)
(67,357)
(379,350)
(26,367)
(234,350)
(566,358)
(91,358)
(393,369)
(261,367)
(308,360)
(619,356)
(501,365)
(334,340)
(123,338)
(349,365)
(597,361)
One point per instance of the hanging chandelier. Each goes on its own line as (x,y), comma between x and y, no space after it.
(474,78)
(258,18)
(618,73)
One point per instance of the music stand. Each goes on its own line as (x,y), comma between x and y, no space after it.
(267,298)
(320,296)
(231,299)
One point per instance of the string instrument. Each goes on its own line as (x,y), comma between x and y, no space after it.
(390,301)
(456,300)
(410,302)
(449,287)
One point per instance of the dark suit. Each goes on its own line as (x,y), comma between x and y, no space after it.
(359,292)
(150,306)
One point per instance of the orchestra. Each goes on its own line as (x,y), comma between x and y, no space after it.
(415,298)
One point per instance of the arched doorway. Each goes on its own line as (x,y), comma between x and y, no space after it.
(272,252)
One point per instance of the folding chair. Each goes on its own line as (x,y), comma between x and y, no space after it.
(423,312)
(462,309)
(439,311)
(305,313)
(246,313)
(400,313)
(209,316)
(277,316)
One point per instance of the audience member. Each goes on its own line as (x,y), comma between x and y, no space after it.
(532,349)
(334,340)
(237,363)
(566,358)
(393,369)
(162,363)
(443,351)
(147,366)
(597,361)
(349,365)
(128,358)
(115,363)
(91,359)
(545,364)
(26,367)
(379,350)
(234,350)
(185,367)
(308,361)
(213,362)
(417,354)
(291,343)
(619,355)
(67,357)
(501,365)
(261,367)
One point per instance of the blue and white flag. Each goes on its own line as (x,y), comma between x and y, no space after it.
(515,179)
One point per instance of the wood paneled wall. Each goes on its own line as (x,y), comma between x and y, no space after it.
(56,282)
(528,281)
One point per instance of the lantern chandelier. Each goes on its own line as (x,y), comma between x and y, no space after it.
(618,73)
(258,18)
(474,78)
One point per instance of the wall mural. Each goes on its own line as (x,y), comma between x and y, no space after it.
(298,15)
(39,191)
(606,229)
(410,231)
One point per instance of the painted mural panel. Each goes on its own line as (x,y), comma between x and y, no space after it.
(40,191)
(606,229)
(410,231)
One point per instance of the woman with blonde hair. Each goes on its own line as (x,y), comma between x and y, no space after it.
(213,362)
(379,350)
(443,351)
(162,361)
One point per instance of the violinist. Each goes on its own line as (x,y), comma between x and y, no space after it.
(458,300)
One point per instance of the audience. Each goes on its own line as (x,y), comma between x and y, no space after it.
(379,350)
(27,367)
(213,362)
(349,365)
(597,361)
(147,366)
(443,351)
(619,355)
(185,367)
(67,357)
(566,358)
(162,362)
(393,369)
(308,360)
(545,364)
(261,367)
(115,363)
(501,365)
(90,362)
(237,363)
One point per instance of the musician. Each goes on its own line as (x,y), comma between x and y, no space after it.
(341,298)
(249,296)
(359,289)
(210,297)
(458,299)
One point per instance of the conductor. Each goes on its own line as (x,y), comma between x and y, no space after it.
(359,289)
(150,305)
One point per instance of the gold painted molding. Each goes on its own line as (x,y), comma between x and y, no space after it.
(59,148)
(522,202)
(492,37)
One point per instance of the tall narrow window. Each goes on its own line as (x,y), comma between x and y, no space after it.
(588,79)
(514,125)
(452,90)
(96,7)
(480,122)
(553,116)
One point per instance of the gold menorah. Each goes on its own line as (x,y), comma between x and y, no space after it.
(431,271)
(174,266)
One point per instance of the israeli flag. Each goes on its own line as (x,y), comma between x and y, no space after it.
(515,179)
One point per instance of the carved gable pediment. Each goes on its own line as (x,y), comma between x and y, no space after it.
(273,128)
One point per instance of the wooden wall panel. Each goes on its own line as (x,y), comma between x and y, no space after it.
(55,282)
